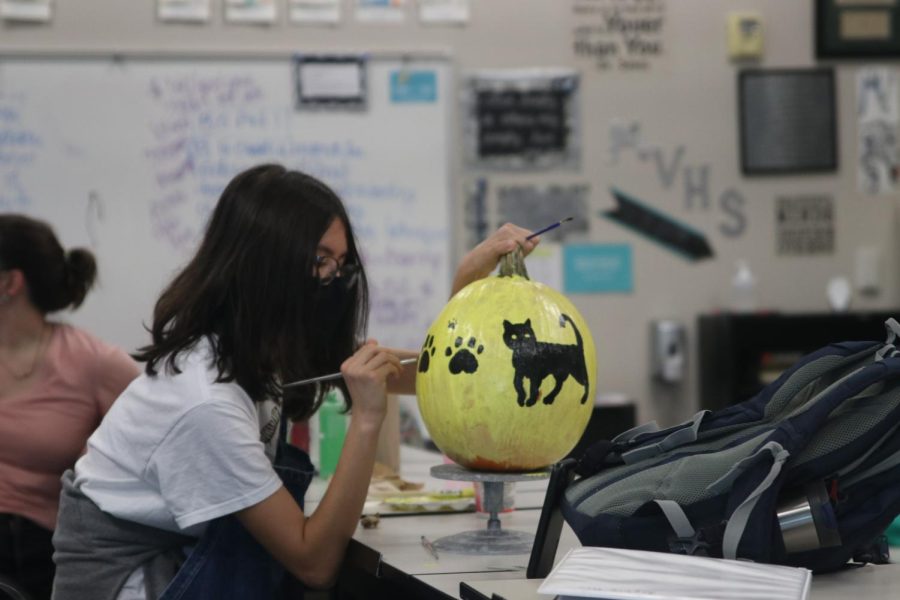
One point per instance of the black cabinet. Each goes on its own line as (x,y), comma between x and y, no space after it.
(740,353)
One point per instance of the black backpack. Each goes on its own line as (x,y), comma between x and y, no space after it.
(806,473)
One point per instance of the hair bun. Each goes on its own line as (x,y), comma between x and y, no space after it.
(81,271)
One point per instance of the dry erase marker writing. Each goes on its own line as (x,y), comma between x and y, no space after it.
(549,227)
(426,543)
(338,375)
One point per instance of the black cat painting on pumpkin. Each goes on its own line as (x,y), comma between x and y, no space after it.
(538,360)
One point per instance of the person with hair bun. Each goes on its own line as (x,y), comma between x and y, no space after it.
(56,384)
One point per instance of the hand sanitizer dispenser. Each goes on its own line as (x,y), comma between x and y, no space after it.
(668,346)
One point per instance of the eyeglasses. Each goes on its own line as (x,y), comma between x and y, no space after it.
(327,268)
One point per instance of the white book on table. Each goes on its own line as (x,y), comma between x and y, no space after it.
(618,574)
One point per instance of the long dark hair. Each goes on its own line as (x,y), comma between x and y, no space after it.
(56,279)
(250,287)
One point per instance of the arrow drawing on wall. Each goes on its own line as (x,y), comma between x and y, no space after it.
(658,227)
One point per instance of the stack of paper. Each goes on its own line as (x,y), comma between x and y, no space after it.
(617,574)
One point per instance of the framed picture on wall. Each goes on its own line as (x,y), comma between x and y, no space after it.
(857,28)
(787,121)
(330,81)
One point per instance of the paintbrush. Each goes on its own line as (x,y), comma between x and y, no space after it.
(429,547)
(549,227)
(338,375)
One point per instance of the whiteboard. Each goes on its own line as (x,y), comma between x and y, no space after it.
(128,157)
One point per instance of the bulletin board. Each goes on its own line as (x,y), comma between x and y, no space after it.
(128,157)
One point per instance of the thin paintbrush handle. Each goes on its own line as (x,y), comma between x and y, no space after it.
(338,375)
(548,228)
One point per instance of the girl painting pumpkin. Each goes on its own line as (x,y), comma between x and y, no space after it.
(177,495)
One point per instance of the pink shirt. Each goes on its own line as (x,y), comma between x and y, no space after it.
(44,427)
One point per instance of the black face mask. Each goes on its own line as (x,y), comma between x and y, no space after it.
(331,304)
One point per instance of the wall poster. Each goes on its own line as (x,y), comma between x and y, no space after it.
(877,116)
(522,119)
(620,35)
(804,225)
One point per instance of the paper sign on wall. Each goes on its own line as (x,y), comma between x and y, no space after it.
(250,11)
(804,225)
(388,11)
(26,10)
(597,268)
(184,10)
(877,115)
(330,81)
(444,11)
(522,119)
(413,86)
(544,265)
(315,11)
(620,35)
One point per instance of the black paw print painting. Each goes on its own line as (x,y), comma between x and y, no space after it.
(427,353)
(464,358)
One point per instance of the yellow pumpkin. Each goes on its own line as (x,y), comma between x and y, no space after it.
(506,376)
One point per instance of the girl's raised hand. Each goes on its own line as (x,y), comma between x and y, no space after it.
(483,258)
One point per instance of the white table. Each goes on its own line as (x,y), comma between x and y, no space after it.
(392,554)
(872,582)
(397,540)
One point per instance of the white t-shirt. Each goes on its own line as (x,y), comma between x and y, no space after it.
(176,451)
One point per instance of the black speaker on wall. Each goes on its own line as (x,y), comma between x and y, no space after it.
(788,121)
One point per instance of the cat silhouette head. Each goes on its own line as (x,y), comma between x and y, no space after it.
(518,335)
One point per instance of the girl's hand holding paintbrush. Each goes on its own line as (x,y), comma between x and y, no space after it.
(366,374)
(408,360)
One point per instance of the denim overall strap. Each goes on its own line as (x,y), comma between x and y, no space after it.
(228,563)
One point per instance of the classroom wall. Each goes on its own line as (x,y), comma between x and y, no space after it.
(684,102)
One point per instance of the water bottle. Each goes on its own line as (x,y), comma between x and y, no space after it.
(332,431)
(743,288)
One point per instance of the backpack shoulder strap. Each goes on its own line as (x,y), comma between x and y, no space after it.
(893,332)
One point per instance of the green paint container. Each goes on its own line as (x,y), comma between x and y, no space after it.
(332,431)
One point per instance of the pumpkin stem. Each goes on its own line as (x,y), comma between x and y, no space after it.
(513,263)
